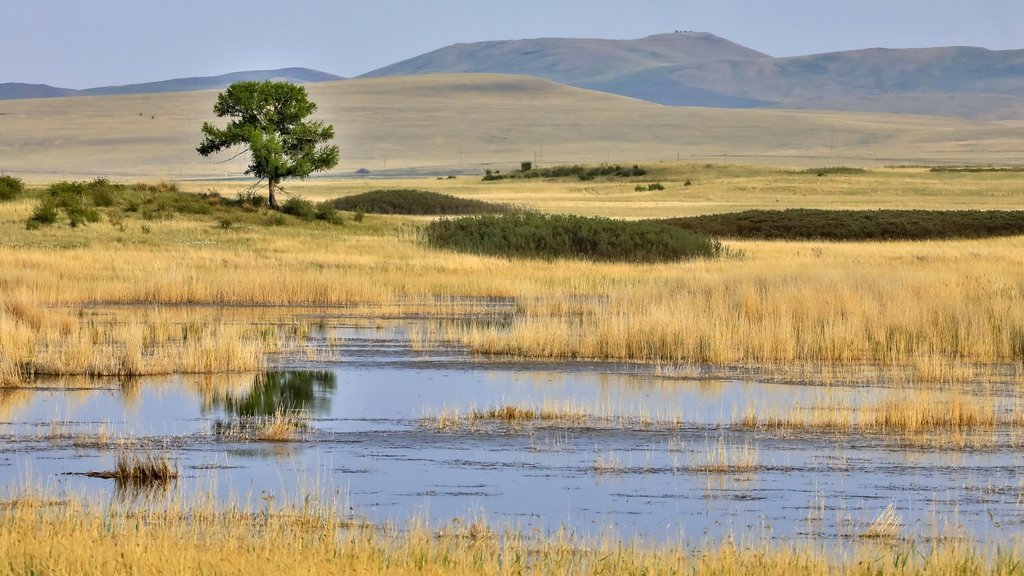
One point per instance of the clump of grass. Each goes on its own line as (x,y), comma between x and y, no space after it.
(140,470)
(608,464)
(282,426)
(725,458)
(529,235)
(887,525)
(856,225)
(415,202)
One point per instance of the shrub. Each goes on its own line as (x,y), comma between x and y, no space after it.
(414,202)
(300,208)
(326,212)
(580,172)
(45,213)
(530,235)
(10,188)
(809,224)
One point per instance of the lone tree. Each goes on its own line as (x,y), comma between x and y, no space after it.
(269,120)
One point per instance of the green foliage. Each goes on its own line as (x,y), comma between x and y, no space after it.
(832,170)
(78,203)
(525,166)
(414,202)
(808,224)
(10,188)
(529,235)
(269,120)
(299,207)
(649,187)
(580,172)
(77,200)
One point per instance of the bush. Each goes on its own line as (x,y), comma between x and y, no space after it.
(530,235)
(580,172)
(808,224)
(10,188)
(415,202)
(300,208)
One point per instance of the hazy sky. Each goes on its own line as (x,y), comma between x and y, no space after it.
(86,43)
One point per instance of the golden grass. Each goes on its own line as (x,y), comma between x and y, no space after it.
(888,524)
(914,311)
(43,535)
(724,457)
(905,412)
(284,425)
(140,470)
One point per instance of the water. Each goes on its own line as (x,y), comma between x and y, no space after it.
(369,448)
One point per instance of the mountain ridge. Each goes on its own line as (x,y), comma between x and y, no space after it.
(18,90)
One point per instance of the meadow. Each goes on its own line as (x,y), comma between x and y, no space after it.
(936,322)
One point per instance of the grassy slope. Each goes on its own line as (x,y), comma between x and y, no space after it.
(465,122)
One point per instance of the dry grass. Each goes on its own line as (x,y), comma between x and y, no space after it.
(463,122)
(906,412)
(726,458)
(284,425)
(35,533)
(933,311)
(132,469)
(888,524)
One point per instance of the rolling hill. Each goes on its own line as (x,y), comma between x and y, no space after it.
(697,69)
(11,91)
(463,123)
(570,60)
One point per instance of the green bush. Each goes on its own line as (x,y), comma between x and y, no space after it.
(415,202)
(299,207)
(809,224)
(529,235)
(10,188)
(580,172)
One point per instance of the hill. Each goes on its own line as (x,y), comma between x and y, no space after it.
(444,124)
(572,61)
(13,91)
(697,69)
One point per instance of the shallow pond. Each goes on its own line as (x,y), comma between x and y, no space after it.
(375,444)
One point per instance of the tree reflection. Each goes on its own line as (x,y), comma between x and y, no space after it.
(273,391)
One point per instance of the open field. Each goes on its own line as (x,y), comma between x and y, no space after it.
(464,123)
(937,311)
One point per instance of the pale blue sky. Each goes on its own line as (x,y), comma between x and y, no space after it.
(86,43)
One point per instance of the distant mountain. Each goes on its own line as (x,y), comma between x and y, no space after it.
(17,90)
(572,61)
(957,81)
(297,75)
(699,69)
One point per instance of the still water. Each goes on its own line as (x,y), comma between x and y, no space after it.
(369,447)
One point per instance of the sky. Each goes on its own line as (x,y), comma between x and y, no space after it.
(89,43)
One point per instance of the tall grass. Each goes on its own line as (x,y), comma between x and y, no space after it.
(309,538)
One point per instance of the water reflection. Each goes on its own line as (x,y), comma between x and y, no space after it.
(307,391)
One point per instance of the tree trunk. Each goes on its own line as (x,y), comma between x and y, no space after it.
(271,199)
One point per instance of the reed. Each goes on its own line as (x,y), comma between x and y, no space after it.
(175,539)
(132,469)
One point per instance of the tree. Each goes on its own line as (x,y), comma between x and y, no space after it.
(269,120)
